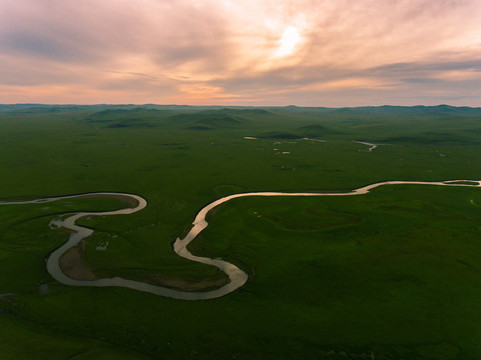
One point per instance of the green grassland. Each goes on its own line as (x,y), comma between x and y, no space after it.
(393,274)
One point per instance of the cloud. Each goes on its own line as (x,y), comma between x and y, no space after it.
(203,51)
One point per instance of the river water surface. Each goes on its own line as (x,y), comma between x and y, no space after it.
(237,277)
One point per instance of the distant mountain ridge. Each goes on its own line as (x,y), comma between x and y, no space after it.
(218,117)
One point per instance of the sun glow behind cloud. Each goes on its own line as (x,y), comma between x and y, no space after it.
(290,38)
(307,52)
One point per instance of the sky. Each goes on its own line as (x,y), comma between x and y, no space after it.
(252,52)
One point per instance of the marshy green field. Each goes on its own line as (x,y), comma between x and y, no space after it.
(393,274)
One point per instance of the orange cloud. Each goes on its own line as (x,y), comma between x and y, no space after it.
(240,51)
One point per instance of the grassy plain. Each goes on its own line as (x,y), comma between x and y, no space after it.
(394,273)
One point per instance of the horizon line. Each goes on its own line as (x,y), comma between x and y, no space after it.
(242,106)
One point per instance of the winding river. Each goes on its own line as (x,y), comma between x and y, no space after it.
(371,146)
(237,277)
